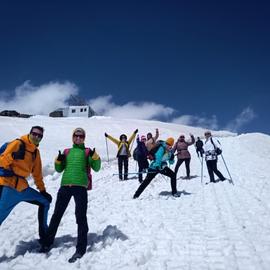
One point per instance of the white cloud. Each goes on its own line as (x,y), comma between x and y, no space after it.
(144,110)
(38,99)
(45,98)
(246,116)
(193,120)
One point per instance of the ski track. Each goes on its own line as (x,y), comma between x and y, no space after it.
(217,226)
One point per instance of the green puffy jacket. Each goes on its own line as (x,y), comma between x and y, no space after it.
(74,166)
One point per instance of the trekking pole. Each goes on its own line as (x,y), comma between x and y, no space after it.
(107,149)
(131,146)
(231,181)
(201,159)
(114,174)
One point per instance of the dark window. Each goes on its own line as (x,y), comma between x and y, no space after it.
(81,110)
(73,110)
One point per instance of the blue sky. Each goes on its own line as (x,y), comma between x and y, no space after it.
(204,63)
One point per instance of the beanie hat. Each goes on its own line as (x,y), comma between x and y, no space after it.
(122,136)
(143,138)
(170,141)
(81,130)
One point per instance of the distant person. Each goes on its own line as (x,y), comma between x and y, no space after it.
(19,160)
(163,155)
(141,153)
(211,156)
(183,155)
(123,152)
(199,147)
(74,184)
(150,140)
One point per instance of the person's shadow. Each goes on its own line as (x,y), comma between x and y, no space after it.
(95,242)
(179,193)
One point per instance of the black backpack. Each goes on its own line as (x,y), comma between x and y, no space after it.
(135,154)
(8,172)
(217,149)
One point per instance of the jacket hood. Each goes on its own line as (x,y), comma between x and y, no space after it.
(28,144)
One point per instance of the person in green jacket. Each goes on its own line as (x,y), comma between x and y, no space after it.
(123,152)
(73,184)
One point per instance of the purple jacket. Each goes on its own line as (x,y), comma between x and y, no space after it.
(182,148)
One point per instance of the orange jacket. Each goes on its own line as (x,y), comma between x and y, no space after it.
(22,168)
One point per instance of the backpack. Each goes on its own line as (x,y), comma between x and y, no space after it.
(217,149)
(6,172)
(135,154)
(88,168)
(152,152)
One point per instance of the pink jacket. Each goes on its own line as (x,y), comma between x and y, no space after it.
(182,148)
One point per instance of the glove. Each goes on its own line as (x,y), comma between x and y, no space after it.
(61,157)
(136,131)
(93,154)
(106,135)
(46,195)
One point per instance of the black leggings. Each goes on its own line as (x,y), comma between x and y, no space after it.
(151,175)
(123,160)
(178,164)
(212,168)
(63,197)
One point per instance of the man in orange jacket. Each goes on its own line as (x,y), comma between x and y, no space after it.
(20,159)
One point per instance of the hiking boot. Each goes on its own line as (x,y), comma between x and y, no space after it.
(44,249)
(75,257)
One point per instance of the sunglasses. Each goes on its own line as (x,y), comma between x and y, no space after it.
(79,136)
(35,134)
(182,137)
(207,134)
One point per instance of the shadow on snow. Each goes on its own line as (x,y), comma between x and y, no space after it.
(95,242)
(168,193)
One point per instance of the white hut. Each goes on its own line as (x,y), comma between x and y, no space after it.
(77,107)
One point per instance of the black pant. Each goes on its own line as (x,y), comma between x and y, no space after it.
(178,164)
(151,175)
(199,151)
(63,197)
(142,164)
(212,168)
(123,160)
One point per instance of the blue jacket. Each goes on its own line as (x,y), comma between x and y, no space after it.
(162,156)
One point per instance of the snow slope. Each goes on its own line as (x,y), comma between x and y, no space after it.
(215,226)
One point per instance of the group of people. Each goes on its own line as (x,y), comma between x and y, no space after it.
(161,154)
(21,158)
